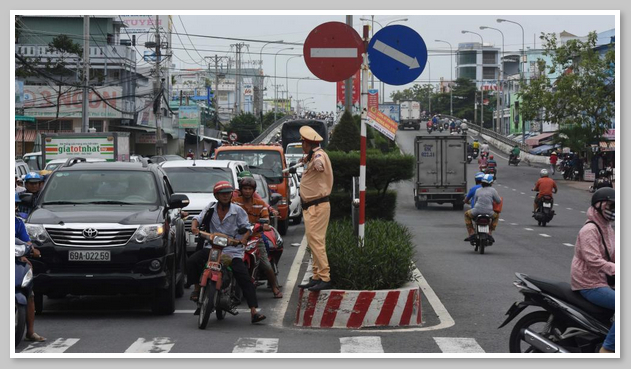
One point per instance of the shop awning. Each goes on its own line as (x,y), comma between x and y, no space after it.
(136,128)
(218,140)
(22,118)
(31,134)
(536,140)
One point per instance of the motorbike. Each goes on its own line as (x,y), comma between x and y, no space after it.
(491,170)
(514,160)
(469,158)
(567,324)
(482,238)
(440,128)
(252,254)
(23,287)
(476,152)
(544,213)
(219,291)
(576,174)
(429,129)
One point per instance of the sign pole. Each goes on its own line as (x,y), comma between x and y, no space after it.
(364,119)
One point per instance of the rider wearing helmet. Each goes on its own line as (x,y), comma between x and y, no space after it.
(491,163)
(33,182)
(227,218)
(471,193)
(248,174)
(205,155)
(595,257)
(190,154)
(545,186)
(257,210)
(485,148)
(484,199)
(476,144)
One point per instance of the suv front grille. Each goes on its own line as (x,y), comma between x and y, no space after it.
(106,236)
(189,221)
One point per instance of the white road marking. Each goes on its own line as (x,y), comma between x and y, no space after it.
(544,235)
(529,229)
(514,189)
(351,345)
(256,345)
(557,205)
(58,346)
(290,284)
(569,208)
(158,345)
(532,197)
(584,212)
(457,345)
(514,224)
(522,193)
(501,220)
(569,244)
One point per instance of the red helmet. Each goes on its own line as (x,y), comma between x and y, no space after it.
(491,157)
(223,187)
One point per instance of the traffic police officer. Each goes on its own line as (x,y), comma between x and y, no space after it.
(315,188)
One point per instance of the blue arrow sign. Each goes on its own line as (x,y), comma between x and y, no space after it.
(397,55)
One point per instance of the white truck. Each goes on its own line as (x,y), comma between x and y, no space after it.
(111,146)
(410,114)
(441,170)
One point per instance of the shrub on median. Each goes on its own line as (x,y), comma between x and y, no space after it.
(378,206)
(383,262)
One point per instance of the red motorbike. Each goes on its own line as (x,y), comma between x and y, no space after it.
(252,253)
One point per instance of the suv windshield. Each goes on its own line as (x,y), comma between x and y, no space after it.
(267,163)
(34,162)
(294,150)
(197,179)
(101,187)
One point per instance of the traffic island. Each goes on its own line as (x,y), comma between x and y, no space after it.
(359,309)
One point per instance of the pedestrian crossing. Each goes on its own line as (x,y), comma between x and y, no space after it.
(250,345)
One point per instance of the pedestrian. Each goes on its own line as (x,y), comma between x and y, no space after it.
(553,161)
(315,188)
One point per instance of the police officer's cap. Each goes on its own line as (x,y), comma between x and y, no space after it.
(309,134)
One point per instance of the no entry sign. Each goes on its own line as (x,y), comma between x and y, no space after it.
(333,51)
(233,136)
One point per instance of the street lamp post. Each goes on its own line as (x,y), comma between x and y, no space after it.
(451,97)
(261,79)
(429,89)
(276,88)
(297,90)
(287,75)
(482,80)
(499,125)
(521,70)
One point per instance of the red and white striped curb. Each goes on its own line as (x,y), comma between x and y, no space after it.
(357,309)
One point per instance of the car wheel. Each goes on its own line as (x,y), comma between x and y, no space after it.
(283,225)
(164,298)
(297,220)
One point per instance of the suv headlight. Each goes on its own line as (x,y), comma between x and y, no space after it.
(37,232)
(148,233)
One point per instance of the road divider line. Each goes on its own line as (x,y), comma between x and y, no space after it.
(501,220)
(522,193)
(514,224)
(369,344)
(557,205)
(529,229)
(290,284)
(583,212)
(544,235)
(256,346)
(455,345)
(568,244)
(158,345)
(58,346)
(569,208)
(532,197)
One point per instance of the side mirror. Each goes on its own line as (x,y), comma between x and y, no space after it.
(275,198)
(178,201)
(27,199)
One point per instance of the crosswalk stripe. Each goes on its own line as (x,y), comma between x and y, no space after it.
(544,235)
(256,345)
(158,345)
(569,244)
(58,346)
(455,345)
(360,344)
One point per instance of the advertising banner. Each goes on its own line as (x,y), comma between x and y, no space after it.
(87,147)
(42,101)
(341,88)
(391,110)
(148,138)
(378,120)
(19,94)
(189,117)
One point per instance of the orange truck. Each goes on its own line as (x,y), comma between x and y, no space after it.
(268,161)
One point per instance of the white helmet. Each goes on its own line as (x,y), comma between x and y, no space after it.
(464,120)
(543,173)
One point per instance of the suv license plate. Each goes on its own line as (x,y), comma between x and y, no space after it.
(88,256)
(483,229)
(547,205)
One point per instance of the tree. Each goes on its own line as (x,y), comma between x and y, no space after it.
(582,98)
(245,126)
(464,96)
(58,66)
(345,137)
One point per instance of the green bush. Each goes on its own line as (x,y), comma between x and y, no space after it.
(377,206)
(345,136)
(385,261)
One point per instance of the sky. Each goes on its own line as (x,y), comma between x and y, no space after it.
(320,95)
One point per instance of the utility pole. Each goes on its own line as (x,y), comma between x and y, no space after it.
(158,92)
(238,77)
(348,84)
(85,123)
(216,60)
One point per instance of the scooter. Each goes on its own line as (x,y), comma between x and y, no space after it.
(218,286)
(514,160)
(567,324)
(476,152)
(252,255)
(23,287)
(440,128)
(544,213)
(469,158)
(429,129)
(482,238)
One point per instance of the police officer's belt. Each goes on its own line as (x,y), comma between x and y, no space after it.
(306,205)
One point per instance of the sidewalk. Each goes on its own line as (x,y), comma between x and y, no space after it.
(581,185)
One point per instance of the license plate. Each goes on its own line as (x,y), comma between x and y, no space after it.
(547,205)
(483,229)
(88,256)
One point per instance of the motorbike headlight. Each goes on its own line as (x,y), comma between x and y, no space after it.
(37,232)
(220,241)
(148,233)
(27,278)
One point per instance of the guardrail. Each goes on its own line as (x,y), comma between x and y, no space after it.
(492,134)
(271,128)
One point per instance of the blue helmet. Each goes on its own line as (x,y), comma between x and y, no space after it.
(488,178)
(33,177)
(479,176)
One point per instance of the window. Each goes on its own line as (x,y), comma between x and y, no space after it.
(98,124)
(267,163)
(197,179)
(468,72)
(488,73)
(467,57)
(489,57)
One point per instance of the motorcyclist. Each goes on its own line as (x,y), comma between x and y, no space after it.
(514,152)
(478,184)
(22,234)
(434,120)
(484,198)
(595,257)
(33,182)
(452,125)
(491,163)
(257,210)
(205,155)
(482,162)
(577,164)
(247,174)
(485,148)
(463,126)
(545,186)
(602,180)
(469,149)
(476,144)
(226,218)
(429,125)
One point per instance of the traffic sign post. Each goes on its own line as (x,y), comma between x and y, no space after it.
(333,51)
(397,55)
(232,136)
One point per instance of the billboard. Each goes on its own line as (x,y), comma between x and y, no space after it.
(42,101)
(189,117)
(341,89)
(391,110)
(378,120)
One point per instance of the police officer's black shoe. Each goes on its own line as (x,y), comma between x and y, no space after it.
(312,282)
(322,286)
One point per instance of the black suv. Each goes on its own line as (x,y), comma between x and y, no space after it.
(109,228)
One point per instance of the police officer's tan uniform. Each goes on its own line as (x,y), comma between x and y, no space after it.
(315,186)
